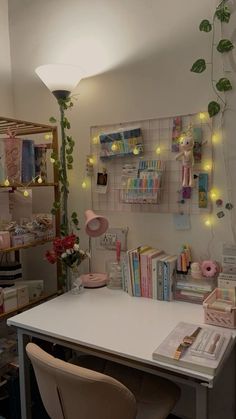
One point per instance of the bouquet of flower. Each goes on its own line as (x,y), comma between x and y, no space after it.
(67,250)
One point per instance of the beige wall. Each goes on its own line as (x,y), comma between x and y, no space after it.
(142,55)
(6,103)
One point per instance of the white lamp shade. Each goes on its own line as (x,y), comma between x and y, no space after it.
(59,76)
(95,225)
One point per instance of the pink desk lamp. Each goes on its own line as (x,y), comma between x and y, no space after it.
(95,226)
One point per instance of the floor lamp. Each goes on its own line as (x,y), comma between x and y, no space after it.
(95,226)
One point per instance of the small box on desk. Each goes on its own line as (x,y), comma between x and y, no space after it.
(220,309)
(193,290)
(35,287)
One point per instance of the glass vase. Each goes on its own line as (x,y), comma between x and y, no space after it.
(73,281)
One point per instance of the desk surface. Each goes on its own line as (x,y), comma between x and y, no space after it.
(113,322)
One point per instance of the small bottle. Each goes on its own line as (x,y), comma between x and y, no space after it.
(114,275)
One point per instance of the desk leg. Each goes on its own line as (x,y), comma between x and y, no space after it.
(24,375)
(201,402)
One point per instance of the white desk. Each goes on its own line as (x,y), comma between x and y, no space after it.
(113,325)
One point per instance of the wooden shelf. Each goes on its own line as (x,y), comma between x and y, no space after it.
(28,185)
(26,246)
(23,127)
(29,305)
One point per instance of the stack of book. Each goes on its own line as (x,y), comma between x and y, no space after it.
(193,290)
(149,272)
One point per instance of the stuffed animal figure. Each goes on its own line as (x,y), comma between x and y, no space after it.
(186,154)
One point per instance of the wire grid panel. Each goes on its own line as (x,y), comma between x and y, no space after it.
(157,135)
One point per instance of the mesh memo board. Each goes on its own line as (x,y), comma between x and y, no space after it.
(156,134)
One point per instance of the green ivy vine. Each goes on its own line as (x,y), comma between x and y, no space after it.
(222,14)
(64,162)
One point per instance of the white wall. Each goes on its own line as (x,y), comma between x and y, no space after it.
(6,103)
(141,51)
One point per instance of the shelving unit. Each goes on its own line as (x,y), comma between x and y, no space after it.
(22,129)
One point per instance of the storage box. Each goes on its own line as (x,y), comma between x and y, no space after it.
(193,290)
(225,317)
(22,295)
(5,241)
(10,299)
(10,271)
(35,287)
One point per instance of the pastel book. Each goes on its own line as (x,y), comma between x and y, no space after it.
(199,348)
(169,273)
(144,271)
(155,263)
(160,277)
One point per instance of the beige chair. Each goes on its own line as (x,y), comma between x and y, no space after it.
(70,391)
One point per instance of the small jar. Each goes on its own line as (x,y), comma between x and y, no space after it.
(114,275)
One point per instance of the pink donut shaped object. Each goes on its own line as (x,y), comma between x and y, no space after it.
(209,268)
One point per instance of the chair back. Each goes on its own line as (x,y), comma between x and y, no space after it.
(72,392)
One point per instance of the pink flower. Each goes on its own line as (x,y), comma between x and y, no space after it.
(69,241)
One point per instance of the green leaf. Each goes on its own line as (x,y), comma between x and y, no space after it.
(52,120)
(75,221)
(199,66)
(205,26)
(53,211)
(213,108)
(225,45)
(223,13)
(69,150)
(56,204)
(69,166)
(74,214)
(69,159)
(223,85)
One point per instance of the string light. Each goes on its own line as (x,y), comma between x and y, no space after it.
(208,166)
(158,150)
(26,193)
(48,136)
(216,138)
(6,182)
(208,222)
(95,140)
(52,160)
(91,160)
(136,151)
(40,180)
(84,185)
(202,116)
(214,194)
(114,147)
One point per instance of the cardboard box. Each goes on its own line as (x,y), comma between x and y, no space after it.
(10,299)
(35,287)
(22,295)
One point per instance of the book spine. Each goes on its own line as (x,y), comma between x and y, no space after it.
(154,278)
(160,280)
(144,275)
(136,270)
(165,281)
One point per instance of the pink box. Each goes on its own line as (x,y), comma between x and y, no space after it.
(5,240)
(216,317)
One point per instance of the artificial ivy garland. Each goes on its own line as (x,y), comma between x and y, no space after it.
(222,13)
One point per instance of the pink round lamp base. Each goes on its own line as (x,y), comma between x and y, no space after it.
(94,280)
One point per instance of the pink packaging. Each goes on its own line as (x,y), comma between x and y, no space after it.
(5,239)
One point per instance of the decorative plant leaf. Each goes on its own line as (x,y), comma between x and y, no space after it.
(53,211)
(205,26)
(223,85)
(223,13)
(69,166)
(56,204)
(74,214)
(213,108)
(52,120)
(224,45)
(69,159)
(199,66)
(69,150)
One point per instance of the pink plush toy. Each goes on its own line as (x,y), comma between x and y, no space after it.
(186,153)
(209,268)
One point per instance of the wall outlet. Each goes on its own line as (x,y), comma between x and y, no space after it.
(108,240)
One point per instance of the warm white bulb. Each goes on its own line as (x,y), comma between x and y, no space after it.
(136,151)
(52,160)
(202,115)
(95,140)
(59,76)
(208,222)
(84,185)
(6,183)
(158,150)
(114,147)
(40,180)
(26,193)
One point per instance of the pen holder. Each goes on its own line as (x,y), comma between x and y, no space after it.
(114,275)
